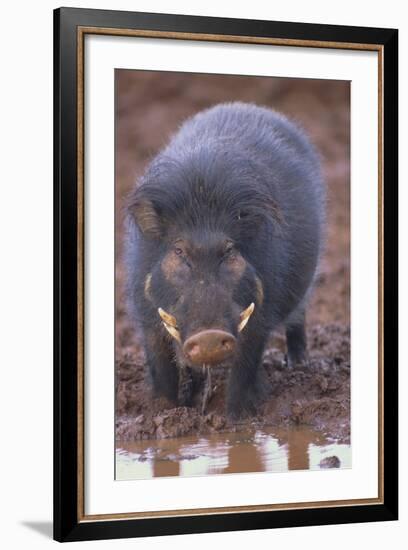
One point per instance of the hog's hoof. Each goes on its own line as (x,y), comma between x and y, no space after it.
(297,363)
(161,403)
(242,410)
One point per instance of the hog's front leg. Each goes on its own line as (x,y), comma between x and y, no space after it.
(162,367)
(247,384)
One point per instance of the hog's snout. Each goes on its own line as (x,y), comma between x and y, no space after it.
(209,347)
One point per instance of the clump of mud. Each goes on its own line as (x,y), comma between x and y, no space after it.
(317,395)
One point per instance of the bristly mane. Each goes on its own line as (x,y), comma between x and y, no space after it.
(209,187)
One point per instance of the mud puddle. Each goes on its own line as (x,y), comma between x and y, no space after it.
(266,450)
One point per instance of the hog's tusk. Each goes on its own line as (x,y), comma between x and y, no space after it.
(170,324)
(245,315)
(173,331)
(167,318)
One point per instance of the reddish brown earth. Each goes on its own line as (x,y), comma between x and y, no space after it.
(150,106)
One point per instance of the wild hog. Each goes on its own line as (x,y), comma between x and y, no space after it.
(224,235)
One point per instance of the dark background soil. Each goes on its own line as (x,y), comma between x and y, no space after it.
(149,108)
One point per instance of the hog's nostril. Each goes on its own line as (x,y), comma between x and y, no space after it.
(194,350)
(209,347)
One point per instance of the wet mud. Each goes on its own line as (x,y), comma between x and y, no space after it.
(317,395)
(149,108)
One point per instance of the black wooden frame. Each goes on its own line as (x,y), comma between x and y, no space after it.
(67,527)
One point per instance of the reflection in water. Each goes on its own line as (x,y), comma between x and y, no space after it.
(242,455)
(257,451)
(163,468)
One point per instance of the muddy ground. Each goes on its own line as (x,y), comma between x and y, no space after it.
(149,107)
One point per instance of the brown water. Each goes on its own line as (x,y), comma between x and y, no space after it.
(223,453)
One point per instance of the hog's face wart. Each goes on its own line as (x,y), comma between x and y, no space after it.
(147,286)
(224,239)
(259,290)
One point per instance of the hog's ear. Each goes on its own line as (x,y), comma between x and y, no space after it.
(146,217)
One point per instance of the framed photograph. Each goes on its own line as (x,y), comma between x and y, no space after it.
(225,274)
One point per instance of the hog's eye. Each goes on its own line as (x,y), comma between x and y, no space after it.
(229,254)
(182,256)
